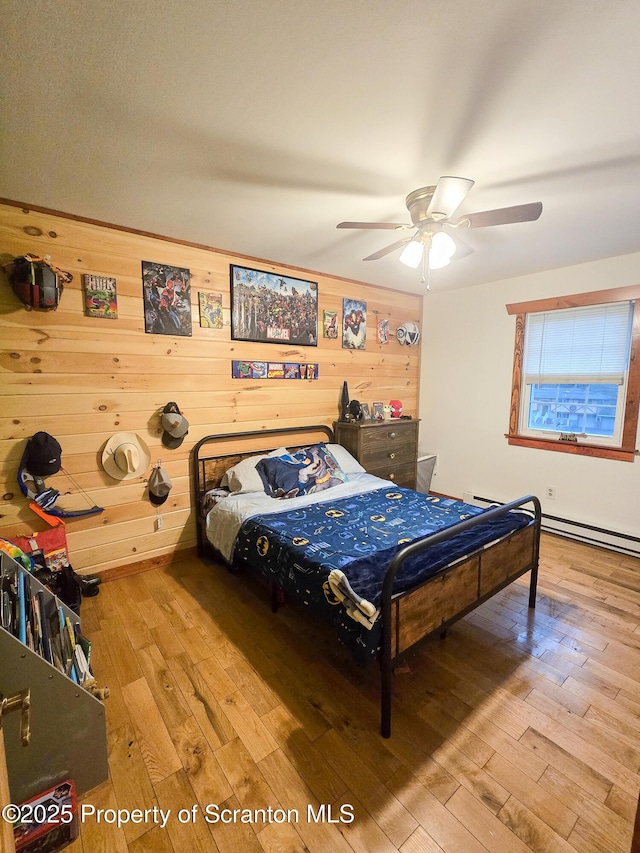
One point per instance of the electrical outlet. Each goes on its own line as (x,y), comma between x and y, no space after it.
(159,523)
(551,493)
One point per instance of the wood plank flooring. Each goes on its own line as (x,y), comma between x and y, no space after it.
(518,732)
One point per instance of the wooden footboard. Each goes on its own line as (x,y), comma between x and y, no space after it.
(449,595)
(459,589)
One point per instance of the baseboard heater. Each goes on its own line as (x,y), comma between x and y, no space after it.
(623,543)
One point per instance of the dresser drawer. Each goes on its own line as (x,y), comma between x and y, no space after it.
(390,454)
(401,475)
(390,436)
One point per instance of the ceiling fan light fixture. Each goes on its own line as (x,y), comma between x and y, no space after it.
(437,262)
(412,254)
(442,250)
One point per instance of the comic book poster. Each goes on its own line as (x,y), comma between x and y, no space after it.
(249,369)
(273,308)
(330,324)
(210,310)
(383,331)
(354,324)
(273,370)
(100,298)
(167,299)
(292,371)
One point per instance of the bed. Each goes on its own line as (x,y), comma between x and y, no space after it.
(386,566)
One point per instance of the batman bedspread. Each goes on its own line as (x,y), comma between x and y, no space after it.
(359,535)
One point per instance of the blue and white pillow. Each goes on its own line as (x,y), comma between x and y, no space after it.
(305,471)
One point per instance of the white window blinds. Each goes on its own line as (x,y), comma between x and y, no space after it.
(578,345)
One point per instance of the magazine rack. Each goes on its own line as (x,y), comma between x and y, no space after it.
(68,736)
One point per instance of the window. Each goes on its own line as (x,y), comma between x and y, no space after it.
(575,381)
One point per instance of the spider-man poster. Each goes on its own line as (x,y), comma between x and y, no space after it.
(354,324)
(167,299)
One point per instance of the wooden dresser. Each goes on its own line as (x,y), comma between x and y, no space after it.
(388,449)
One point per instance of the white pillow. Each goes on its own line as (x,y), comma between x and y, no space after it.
(243,477)
(345,460)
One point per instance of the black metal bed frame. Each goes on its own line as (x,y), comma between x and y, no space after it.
(388,598)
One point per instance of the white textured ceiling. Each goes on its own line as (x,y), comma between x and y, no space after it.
(255,126)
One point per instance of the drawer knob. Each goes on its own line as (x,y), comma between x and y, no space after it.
(392,435)
(392,456)
(392,476)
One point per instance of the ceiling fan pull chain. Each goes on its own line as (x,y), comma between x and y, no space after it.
(426,279)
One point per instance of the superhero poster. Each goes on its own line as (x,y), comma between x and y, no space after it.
(273,370)
(210,310)
(354,324)
(383,331)
(330,324)
(100,298)
(167,299)
(273,308)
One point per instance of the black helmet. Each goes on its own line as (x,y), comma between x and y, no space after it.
(37,283)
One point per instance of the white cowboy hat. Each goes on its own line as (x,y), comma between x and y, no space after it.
(125,456)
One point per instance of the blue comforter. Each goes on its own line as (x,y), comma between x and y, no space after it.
(359,536)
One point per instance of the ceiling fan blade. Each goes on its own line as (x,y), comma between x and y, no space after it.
(387,249)
(385,226)
(448,196)
(462,249)
(503,215)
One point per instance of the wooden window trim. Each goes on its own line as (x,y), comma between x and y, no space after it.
(626,452)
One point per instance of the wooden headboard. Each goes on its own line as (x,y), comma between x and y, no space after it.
(213,455)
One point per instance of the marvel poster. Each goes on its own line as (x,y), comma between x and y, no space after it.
(273,308)
(167,299)
(354,324)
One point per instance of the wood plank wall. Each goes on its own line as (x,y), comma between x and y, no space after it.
(82,379)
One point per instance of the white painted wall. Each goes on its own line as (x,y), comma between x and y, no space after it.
(467,361)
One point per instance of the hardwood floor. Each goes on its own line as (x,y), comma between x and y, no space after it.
(520,731)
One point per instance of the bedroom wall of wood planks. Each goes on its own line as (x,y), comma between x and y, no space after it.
(84,378)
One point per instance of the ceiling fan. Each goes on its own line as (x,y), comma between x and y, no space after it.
(431,209)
